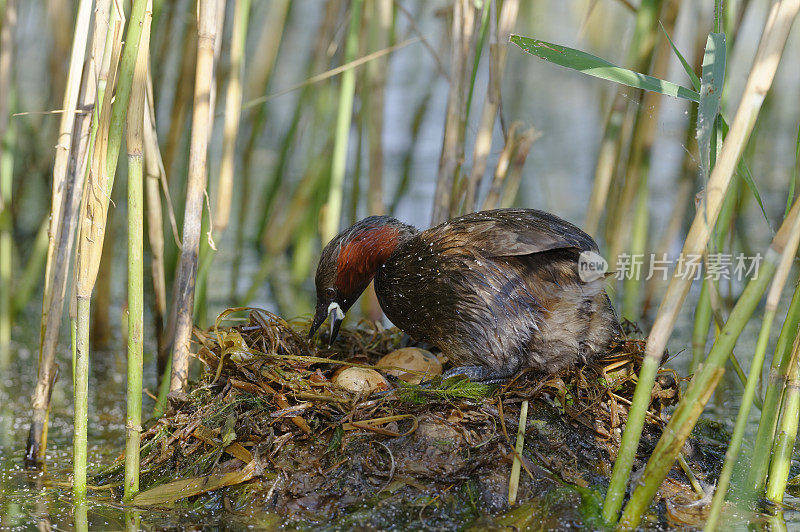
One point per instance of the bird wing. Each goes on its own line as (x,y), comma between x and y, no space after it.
(512,232)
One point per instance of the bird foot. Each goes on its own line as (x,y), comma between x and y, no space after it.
(480,374)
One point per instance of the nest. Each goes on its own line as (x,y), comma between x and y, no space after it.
(265,416)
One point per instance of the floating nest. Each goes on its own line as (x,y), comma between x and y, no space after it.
(265,431)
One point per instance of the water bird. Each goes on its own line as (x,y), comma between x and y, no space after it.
(496,291)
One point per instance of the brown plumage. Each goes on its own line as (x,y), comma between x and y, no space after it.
(494,290)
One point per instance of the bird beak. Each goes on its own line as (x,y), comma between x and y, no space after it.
(335,316)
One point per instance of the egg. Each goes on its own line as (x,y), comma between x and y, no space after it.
(411,359)
(361,380)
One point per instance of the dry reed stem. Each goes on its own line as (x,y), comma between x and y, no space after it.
(523,146)
(233,109)
(63,141)
(452,147)
(180,104)
(61,242)
(501,170)
(266,50)
(498,52)
(380,23)
(775,33)
(198,150)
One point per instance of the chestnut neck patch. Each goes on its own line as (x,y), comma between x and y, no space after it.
(362,254)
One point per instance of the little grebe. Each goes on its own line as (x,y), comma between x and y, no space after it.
(496,291)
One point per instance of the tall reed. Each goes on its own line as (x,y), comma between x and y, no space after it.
(8,24)
(333,207)
(767,423)
(783,445)
(183,294)
(59,246)
(760,79)
(453,141)
(638,58)
(93,219)
(134,141)
(233,107)
(500,31)
(773,297)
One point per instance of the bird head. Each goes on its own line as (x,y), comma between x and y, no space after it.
(347,265)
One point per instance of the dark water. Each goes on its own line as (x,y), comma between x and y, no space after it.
(43,499)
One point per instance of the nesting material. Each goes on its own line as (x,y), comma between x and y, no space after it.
(271,404)
(411,364)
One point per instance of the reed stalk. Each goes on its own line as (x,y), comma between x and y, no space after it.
(8,24)
(180,104)
(767,423)
(695,399)
(183,299)
(134,142)
(516,465)
(627,224)
(709,144)
(380,29)
(154,176)
(703,311)
(501,170)
(102,43)
(514,179)
(95,81)
(333,208)
(770,49)
(638,59)
(233,108)
(58,249)
(452,142)
(94,218)
(498,52)
(787,434)
(63,143)
(101,334)
(773,297)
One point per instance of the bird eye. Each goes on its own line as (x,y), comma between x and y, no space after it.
(330,292)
